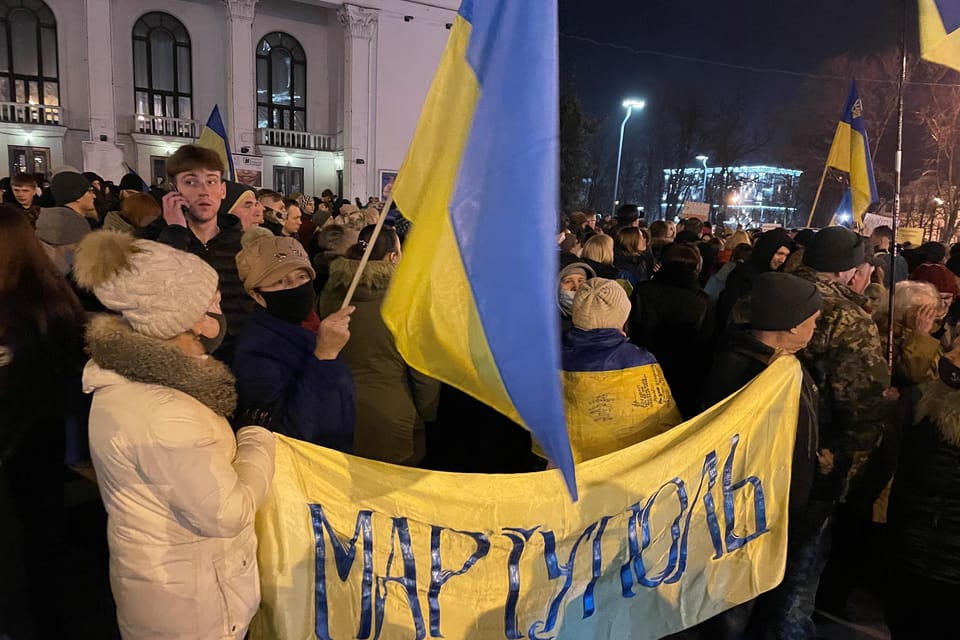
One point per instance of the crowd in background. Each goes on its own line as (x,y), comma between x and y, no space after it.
(152,339)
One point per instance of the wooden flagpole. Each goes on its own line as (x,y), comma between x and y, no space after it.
(816,199)
(367,251)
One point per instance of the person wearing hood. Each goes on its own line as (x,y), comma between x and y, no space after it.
(673,318)
(570,278)
(292,380)
(924,513)
(137,212)
(598,359)
(131,184)
(769,253)
(191,213)
(180,490)
(394,401)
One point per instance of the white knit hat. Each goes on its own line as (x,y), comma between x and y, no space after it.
(160,291)
(600,304)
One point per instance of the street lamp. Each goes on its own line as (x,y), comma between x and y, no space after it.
(702,158)
(629,105)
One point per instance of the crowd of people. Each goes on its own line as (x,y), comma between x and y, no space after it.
(153,340)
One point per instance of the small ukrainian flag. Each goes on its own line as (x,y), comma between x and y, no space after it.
(940,32)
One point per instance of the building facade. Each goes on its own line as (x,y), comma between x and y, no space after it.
(313,94)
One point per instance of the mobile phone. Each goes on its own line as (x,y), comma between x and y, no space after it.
(184,208)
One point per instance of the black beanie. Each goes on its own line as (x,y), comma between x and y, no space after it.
(234,191)
(131,182)
(833,250)
(68,186)
(781,301)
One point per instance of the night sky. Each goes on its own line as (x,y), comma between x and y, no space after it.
(793,36)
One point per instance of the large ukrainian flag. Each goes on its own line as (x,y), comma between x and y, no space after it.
(473,302)
(850,152)
(214,137)
(940,32)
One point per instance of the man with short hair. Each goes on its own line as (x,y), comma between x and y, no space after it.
(292,218)
(272,204)
(24,187)
(193,225)
(882,240)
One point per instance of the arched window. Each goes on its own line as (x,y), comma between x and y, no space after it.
(161,67)
(28,53)
(281,83)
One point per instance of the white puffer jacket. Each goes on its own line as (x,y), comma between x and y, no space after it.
(180,491)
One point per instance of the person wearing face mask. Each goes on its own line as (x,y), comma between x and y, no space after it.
(180,489)
(393,400)
(288,378)
(924,513)
(570,278)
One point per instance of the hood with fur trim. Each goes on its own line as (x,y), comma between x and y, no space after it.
(373,282)
(113,345)
(942,405)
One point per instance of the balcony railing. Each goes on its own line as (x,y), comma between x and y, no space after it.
(296,140)
(172,127)
(30,113)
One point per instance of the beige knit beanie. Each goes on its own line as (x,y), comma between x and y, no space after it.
(600,304)
(266,258)
(161,291)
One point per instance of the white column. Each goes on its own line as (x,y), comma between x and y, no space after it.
(102,113)
(360,98)
(241,107)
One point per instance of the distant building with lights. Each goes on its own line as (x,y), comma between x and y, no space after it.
(749,195)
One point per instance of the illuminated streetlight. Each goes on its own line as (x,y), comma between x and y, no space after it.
(629,105)
(702,158)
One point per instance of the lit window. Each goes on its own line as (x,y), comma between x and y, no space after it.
(161,67)
(281,83)
(28,53)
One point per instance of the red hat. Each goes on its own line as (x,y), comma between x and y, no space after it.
(937,275)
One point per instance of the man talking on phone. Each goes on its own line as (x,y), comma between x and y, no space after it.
(191,213)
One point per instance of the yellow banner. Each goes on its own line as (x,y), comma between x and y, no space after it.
(913,235)
(666,533)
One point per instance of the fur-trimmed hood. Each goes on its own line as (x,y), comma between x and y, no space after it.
(115,347)
(373,282)
(942,405)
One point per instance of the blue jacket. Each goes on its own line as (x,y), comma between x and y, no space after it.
(601,350)
(282,382)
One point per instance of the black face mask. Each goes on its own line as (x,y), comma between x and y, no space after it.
(212,344)
(949,373)
(291,305)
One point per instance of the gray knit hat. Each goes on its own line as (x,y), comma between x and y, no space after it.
(600,304)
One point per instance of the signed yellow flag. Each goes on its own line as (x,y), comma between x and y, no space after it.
(667,533)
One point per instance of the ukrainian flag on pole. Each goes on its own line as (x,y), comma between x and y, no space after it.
(940,32)
(850,152)
(473,302)
(214,137)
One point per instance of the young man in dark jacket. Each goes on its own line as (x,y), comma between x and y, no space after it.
(193,225)
(769,253)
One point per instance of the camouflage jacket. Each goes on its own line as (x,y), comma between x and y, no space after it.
(845,357)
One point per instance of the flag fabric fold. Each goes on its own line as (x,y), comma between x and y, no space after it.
(473,301)
(940,32)
(214,137)
(850,152)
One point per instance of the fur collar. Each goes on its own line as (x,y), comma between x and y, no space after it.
(375,279)
(114,345)
(942,405)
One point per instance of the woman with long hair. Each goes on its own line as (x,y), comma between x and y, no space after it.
(41,359)
(393,401)
(631,257)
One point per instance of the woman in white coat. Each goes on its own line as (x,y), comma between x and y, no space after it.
(179,489)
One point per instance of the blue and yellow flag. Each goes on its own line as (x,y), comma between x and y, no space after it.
(940,32)
(214,137)
(471,305)
(850,152)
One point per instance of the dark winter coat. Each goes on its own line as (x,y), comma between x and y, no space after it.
(393,400)
(221,254)
(924,511)
(602,270)
(740,359)
(278,374)
(634,269)
(673,318)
